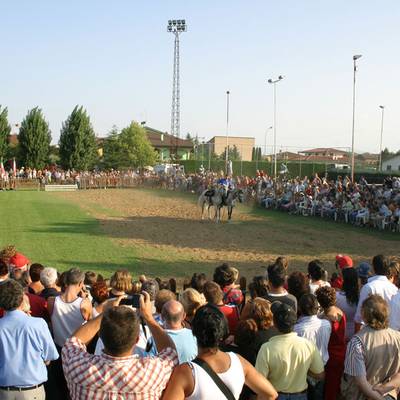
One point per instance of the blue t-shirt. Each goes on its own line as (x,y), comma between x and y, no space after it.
(25,345)
(185,343)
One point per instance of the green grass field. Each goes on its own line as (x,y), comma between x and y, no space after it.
(159,233)
(58,233)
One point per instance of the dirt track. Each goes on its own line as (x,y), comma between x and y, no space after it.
(165,227)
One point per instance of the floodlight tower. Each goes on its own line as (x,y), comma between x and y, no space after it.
(176,26)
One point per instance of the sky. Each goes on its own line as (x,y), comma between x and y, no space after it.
(116,59)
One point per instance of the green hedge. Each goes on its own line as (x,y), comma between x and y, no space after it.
(248,168)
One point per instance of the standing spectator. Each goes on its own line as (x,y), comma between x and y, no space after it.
(378,284)
(198,280)
(226,277)
(316,273)
(163,297)
(18,264)
(35,287)
(191,300)
(347,299)
(100,294)
(116,372)
(287,359)
(26,347)
(48,278)
(214,296)
(173,316)
(326,297)
(298,284)
(311,327)
(258,287)
(364,271)
(121,283)
(342,263)
(69,310)
(3,271)
(373,354)
(193,380)
(277,292)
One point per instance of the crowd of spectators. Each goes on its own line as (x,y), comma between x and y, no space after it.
(285,334)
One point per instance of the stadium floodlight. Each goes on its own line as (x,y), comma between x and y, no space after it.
(176,26)
(380,148)
(355,58)
(274,82)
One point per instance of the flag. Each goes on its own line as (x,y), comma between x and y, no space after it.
(2,170)
(14,168)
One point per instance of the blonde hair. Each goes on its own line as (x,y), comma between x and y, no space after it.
(192,300)
(121,281)
(261,313)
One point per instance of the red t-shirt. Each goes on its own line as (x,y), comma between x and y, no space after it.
(231,313)
(38,306)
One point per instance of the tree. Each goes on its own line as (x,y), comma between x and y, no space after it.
(233,154)
(78,148)
(34,140)
(129,148)
(5,130)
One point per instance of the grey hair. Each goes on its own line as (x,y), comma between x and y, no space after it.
(48,277)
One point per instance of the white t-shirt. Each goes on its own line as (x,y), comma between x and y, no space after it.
(314,287)
(349,310)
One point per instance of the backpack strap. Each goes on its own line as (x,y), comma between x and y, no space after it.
(217,380)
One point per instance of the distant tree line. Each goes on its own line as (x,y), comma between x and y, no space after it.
(78,147)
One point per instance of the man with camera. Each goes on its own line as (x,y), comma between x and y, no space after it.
(117,371)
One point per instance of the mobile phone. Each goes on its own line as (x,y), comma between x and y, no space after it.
(133,301)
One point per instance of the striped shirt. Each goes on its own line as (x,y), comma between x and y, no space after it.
(94,377)
(355,360)
(316,330)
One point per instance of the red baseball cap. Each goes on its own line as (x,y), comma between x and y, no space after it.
(344,261)
(18,261)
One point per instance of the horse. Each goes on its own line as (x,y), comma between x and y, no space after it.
(211,198)
(230,201)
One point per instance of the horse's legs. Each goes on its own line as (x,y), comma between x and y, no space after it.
(202,210)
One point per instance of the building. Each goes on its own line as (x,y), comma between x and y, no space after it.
(244,145)
(392,164)
(168,146)
(326,152)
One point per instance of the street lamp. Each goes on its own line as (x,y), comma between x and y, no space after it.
(274,82)
(227,131)
(355,58)
(380,148)
(265,140)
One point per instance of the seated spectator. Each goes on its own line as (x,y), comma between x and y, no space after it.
(373,354)
(277,291)
(378,284)
(198,280)
(347,299)
(162,297)
(48,278)
(214,296)
(26,347)
(173,316)
(191,300)
(326,297)
(298,284)
(226,277)
(116,372)
(316,273)
(286,359)
(35,287)
(192,380)
(120,283)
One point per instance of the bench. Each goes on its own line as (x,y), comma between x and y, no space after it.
(60,188)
